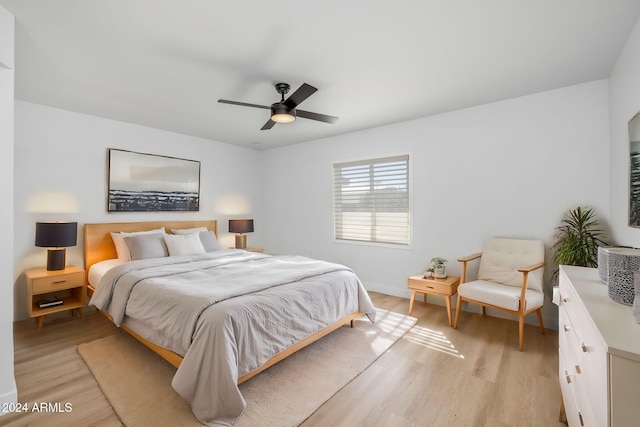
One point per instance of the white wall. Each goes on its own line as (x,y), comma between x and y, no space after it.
(61,170)
(624,103)
(8,391)
(510,168)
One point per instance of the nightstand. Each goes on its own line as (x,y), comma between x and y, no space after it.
(67,285)
(444,287)
(254,249)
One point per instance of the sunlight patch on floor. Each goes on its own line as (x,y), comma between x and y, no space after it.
(434,340)
(393,325)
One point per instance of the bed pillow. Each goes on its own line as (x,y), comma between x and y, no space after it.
(189,230)
(185,244)
(145,246)
(209,241)
(121,247)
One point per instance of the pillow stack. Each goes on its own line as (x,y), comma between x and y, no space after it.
(157,243)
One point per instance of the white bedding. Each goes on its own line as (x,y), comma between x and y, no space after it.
(99,269)
(245,306)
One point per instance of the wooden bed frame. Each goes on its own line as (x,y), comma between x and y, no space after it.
(98,246)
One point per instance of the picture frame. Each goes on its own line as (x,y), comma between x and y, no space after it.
(142,182)
(634,171)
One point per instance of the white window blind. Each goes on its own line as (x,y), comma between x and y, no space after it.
(372,200)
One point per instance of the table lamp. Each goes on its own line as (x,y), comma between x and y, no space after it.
(56,236)
(241,226)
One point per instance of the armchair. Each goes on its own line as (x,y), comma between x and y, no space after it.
(510,272)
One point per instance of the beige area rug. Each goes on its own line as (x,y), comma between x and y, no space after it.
(137,382)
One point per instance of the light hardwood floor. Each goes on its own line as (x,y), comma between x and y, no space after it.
(434,376)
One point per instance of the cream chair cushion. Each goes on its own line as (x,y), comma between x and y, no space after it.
(504,296)
(501,259)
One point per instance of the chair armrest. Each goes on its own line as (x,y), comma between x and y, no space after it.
(470,257)
(525,281)
(532,267)
(464,261)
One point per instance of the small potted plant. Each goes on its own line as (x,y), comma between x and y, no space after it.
(428,273)
(438,266)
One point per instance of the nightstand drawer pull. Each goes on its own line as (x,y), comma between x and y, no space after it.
(584,348)
(565,299)
(578,370)
(58,282)
(430,287)
(566,328)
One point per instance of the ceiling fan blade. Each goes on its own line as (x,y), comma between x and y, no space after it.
(300,95)
(270,123)
(244,104)
(316,116)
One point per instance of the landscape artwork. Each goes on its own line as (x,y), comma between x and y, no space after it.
(149,182)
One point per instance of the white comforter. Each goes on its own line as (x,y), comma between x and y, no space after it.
(227,313)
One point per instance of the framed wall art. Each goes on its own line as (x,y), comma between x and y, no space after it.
(149,182)
(634,171)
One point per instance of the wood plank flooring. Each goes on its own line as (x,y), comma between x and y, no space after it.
(434,376)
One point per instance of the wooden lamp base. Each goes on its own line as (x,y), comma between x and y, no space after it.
(241,241)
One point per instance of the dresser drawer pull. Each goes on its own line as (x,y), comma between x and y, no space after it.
(578,370)
(566,328)
(565,299)
(584,348)
(58,282)
(580,416)
(568,377)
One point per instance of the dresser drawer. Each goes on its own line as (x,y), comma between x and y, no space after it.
(573,384)
(567,386)
(43,285)
(570,301)
(568,340)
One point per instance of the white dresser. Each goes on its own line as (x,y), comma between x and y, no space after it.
(599,353)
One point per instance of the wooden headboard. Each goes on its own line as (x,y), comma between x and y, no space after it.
(98,245)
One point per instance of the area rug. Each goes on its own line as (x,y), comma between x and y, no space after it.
(137,382)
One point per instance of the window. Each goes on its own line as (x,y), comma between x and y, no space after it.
(372,200)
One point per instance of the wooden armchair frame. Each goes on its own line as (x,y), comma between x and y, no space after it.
(521,312)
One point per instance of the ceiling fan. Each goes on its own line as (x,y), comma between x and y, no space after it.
(284,111)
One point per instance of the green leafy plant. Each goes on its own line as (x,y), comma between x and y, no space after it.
(577,239)
(436,261)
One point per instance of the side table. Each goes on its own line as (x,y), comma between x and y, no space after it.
(67,285)
(444,287)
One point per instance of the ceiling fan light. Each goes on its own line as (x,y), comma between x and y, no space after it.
(280,113)
(283,118)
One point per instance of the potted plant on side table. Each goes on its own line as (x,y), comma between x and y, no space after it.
(439,269)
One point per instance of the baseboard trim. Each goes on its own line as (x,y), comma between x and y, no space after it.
(10,397)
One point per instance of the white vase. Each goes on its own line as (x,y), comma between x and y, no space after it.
(440,271)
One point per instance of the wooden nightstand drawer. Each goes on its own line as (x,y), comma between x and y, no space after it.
(447,286)
(56,283)
(65,287)
(438,288)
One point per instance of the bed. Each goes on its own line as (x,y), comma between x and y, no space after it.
(239,312)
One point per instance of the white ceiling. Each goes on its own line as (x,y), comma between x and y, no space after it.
(165,63)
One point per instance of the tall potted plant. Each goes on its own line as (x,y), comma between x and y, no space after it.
(577,239)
